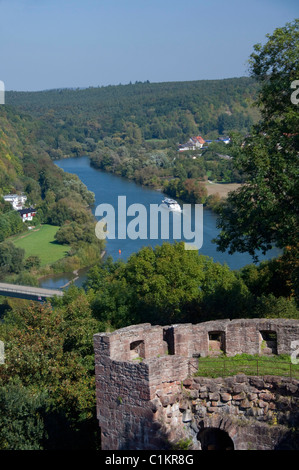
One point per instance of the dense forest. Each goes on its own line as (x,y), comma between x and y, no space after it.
(171,110)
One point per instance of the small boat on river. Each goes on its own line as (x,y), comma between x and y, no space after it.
(171,204)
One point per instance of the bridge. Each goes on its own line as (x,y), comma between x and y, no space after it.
(28,292)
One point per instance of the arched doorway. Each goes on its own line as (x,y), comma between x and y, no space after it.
(215,439)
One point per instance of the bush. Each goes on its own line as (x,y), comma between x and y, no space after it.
(32,261)
(21,422)
(11,258)
(26,279)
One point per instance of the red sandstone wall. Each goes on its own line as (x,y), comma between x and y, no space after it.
(130,392)
(241,336)
(124,390)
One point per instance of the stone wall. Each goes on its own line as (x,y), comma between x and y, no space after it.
(147,398)
(124,389)
(239,336)
(255,412)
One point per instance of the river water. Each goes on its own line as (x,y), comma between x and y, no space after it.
(107,188)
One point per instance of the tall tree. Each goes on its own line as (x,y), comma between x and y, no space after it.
(264,211)
(165,285)
(11,258)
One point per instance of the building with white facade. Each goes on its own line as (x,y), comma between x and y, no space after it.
(16,200)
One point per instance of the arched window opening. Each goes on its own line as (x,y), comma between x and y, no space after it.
(215,439)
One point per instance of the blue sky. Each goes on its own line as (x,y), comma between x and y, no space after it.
(74,43)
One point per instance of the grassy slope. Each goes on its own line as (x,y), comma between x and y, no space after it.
(41,242)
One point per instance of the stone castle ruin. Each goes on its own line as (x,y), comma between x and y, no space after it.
(149,399)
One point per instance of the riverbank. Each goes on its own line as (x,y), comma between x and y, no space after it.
(107,187)
(69,268)
(41,242)
(75,273)
(211,195)
(46,259)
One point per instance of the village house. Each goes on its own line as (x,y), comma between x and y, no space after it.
(16,200)
(192,144)
(27,214)
(198,142)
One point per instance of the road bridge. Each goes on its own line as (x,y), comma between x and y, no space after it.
(28,292)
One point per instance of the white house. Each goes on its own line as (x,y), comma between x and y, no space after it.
(27,214)
(192,144)
(17,201)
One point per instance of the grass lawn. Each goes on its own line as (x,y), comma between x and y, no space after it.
(249,365)
(41,242)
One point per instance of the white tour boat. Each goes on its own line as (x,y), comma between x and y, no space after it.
(171,204)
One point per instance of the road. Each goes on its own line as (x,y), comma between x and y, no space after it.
(28,292)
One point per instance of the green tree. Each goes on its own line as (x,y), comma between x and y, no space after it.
(275,66)
(32,261)
(49,352)
(26,279)
(165,285)
(72,232)
(11,258)
(264,211)
(21,418)
(10,224)
(194,191)
(271,306)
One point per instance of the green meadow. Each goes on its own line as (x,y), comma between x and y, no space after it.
(224,366)
(41,242)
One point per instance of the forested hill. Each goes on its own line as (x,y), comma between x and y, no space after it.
(16,143)
(171,110)
(58,197)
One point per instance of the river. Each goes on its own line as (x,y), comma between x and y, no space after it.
(107,188)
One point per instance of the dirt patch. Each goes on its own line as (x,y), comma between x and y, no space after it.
(27,234)
(221,188)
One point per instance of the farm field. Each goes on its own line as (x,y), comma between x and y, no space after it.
(221,188)
(41,242)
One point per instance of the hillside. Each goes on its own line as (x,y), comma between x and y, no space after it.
(60,199)
(171,110)
(132,130)
(14,130)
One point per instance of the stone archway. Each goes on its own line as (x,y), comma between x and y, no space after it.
(215,439)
